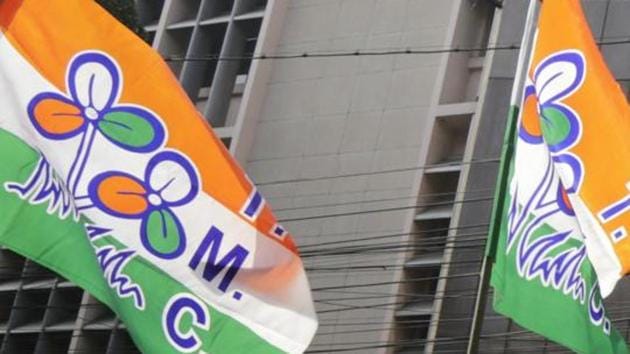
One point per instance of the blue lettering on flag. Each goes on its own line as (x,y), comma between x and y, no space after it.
(615,210)
(178,305)
(233,260)
(253,206)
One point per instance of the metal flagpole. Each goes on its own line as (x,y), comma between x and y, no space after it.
(502,179)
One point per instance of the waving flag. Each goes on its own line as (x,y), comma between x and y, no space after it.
(585,123)
(111,178)
(542,276)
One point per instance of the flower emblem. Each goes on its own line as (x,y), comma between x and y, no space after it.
(546,119)
(545,115)
(94,85)
(170,180)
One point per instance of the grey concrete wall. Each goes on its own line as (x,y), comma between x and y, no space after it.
(324,118)
(459,299)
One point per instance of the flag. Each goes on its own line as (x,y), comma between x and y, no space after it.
(542,276)
(586,123)
(112,179)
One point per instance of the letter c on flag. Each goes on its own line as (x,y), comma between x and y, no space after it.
(185,341)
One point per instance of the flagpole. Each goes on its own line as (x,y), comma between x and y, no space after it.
(503,176)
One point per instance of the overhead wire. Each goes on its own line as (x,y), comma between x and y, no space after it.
(407,280)
(368,53)
(380,172)
(354,53)
(370,211)
(428,240)
(425,232)
(380,200)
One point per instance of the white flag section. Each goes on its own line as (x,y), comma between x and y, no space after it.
(111,178)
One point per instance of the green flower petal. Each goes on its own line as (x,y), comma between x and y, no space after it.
(555,126)
(162,232)
(127,129)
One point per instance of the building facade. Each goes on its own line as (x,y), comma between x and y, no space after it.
(382,166)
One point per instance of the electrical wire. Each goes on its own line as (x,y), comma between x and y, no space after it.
(334,215)
(364,53)
(428,232)
(366,201)
(373,173)
(355,53)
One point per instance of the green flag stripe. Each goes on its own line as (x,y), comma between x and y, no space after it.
(543,280)
(63,246)
(502,182)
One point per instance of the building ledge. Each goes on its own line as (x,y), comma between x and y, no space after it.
(39,284)
(414,309)
(456,109)
(435,213)
(251,15)
(182,24)
(476,63)
(62,326)
(446,167)
(102,324)
(426,260)
(10,285)
(33,327)
(216,20)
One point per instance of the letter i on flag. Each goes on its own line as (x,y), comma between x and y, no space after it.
(112,179)
(572,123)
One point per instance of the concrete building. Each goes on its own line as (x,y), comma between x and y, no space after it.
(382,166)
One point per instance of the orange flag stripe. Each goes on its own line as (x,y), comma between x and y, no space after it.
(150,85)
(602,145)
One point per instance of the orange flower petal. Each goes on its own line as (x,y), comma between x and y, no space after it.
(57,117)
(531,122)
(122,195)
